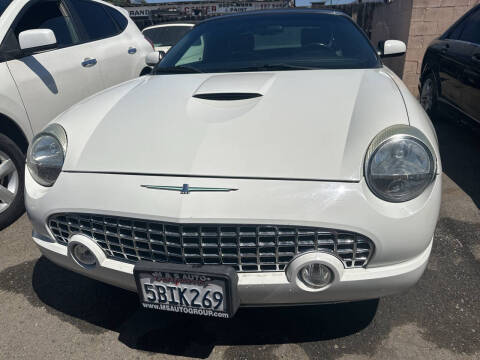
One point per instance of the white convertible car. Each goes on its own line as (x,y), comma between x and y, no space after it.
(288,166)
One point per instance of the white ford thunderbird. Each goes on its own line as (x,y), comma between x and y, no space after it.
(287,165)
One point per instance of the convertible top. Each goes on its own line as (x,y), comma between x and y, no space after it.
(278,11)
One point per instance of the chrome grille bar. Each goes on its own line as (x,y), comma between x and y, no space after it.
(247,248)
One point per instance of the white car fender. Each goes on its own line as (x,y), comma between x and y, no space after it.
(417,116)
(10,102)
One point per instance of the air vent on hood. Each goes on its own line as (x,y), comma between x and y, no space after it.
(227,96)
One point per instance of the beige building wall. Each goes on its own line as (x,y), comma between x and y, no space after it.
(392,21)
(380,21)
(430,19)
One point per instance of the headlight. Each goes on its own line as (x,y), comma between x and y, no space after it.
(46,155)
(400,164)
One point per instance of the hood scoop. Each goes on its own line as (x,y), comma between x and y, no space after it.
(232,87)
(227,96)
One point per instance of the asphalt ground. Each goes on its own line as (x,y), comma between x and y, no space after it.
(47,312)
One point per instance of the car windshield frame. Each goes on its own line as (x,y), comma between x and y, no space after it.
(4,4)
(173,62)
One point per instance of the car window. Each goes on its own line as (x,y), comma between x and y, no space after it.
(455,33)
(283,41)
(193,54)
(3,5)
(290,37)
(471,31)
(121,20)
(166,35)
(49,15)
(96,22)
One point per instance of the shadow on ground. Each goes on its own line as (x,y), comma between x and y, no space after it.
(106,307)
(459,141)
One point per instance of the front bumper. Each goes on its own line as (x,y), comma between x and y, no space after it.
(269,288)
(402,233)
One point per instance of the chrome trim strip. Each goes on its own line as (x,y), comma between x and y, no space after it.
(186,189)
(207,176)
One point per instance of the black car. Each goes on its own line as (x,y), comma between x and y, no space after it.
(451,68)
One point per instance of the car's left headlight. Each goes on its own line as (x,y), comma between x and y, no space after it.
(46,154)
(400,164)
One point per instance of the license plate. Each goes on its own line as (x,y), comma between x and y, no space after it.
(208,290)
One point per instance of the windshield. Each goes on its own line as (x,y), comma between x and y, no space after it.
(3,5)
(271,41)
(166,35)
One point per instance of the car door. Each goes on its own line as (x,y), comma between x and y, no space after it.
(471,93)
(473,75)
(454,56)
(105,28)
(49,82)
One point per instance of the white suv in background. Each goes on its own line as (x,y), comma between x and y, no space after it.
(54,53)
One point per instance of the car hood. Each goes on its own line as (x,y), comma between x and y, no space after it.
(289,124)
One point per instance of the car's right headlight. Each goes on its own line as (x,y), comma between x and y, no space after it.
(400,164)
(46,154)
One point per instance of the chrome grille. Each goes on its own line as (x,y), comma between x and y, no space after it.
(247,248)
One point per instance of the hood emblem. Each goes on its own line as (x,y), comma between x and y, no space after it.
(187,189)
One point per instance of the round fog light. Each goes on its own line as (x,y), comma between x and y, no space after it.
(316,275)
(83,255)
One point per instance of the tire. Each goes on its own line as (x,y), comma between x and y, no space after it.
(429,95)
(12,178)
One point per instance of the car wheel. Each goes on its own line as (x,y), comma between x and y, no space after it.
(12,166)
(429,95)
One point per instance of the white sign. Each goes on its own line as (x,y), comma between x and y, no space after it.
(139,11)
(234,9)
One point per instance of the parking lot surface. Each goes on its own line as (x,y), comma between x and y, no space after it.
(48,312)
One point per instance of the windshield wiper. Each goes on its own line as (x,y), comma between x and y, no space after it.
(273,67)
(181,69)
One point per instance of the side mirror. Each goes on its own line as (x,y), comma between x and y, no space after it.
(36,40)
(154,57)
(392,48)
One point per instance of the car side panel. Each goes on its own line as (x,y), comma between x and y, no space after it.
(454,58)
(472,80)
(122,57)
(137,39)
(52,81)
(114,59)
(11,103)
(143,46)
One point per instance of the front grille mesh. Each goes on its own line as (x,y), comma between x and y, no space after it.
(247,248)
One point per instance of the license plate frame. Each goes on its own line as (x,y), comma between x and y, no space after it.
(185,276)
